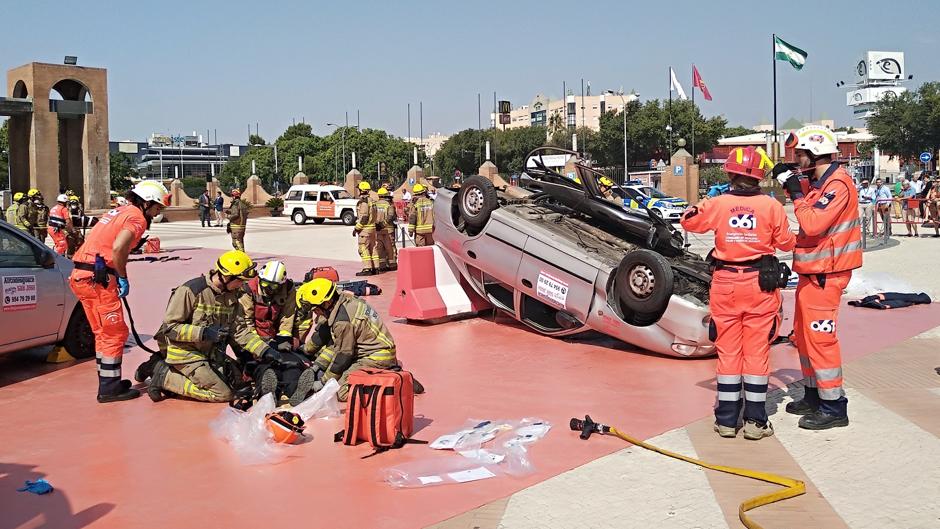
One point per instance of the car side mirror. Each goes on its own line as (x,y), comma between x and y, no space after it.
(47,259)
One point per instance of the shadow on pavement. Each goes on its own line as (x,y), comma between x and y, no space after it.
(52,510)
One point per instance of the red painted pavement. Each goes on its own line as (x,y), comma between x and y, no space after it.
(140,464)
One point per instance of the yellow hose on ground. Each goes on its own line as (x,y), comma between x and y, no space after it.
(794,487)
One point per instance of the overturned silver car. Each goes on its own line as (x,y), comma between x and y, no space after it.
(558,257)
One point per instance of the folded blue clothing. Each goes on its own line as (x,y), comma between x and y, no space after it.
(39,486)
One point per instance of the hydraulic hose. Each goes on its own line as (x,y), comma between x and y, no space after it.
(140,343)
(794,487)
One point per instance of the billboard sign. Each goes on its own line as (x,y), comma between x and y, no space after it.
(881,66)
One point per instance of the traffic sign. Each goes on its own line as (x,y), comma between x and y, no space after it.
(925,157)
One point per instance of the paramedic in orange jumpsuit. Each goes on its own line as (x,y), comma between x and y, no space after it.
(748,225)
(108,244)
(60,225)
(828,248)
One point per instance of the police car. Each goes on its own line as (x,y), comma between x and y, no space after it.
(645,197)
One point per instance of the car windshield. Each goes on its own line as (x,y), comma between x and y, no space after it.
(654,193)
(341,193)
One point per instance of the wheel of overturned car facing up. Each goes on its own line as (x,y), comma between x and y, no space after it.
(476,200)
(644,283)
(79,341)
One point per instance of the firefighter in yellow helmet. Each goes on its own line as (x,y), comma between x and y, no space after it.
(201,321)
(38,214)
(22,218)
(385,231)
(12,212)
(365,230)
(358,337)
(605,186)
(421,217)
(238,219)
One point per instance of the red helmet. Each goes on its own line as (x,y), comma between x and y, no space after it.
(748,161)
(286,427)
(236,193)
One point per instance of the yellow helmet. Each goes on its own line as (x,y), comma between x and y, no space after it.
(17,196)
(418,189)
(316,292)
(383,192)
(236,263)
(364,186)
(33,192)
(73,198)
(606,182)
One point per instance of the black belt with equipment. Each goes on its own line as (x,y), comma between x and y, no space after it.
(99,270)
(771,273)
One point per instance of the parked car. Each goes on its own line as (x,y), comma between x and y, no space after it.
(558,257)
(320,203)
(642,197)
(37,306)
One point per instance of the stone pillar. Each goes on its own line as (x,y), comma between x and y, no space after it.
(681,178)
(489,170)
(353,177)
(178,197)
(255,194)
(415,176)
(300,179)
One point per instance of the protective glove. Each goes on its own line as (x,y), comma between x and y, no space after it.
(271,356)
(213,334)
(285,346)
(39,486)
(124,288)
(788,179)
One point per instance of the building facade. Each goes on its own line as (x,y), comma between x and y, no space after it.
(570,112)
(165,157)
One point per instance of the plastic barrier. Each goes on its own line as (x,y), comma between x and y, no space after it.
(428,289)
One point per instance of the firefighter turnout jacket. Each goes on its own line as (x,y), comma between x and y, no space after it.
(269,316)
(238,214)
(385,216)
(421,216)
(365,214)
(357,334)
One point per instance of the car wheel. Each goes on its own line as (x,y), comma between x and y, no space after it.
(79,341)
(319,220)
(349,218)
(476,201)
(644,283)
(299,217)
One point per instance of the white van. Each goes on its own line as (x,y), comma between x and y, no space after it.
(320,202)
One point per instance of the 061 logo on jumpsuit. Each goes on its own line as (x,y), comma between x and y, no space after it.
(828,326)
(745,221)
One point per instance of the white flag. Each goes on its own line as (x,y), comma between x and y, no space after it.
(674,85)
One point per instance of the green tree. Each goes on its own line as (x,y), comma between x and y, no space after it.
(122,170)
(909,124)
(713,175)
(464,151)
(731,132)
(254,139)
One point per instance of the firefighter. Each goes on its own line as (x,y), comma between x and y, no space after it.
(202,319)
(75,239)
(385,231)
(749,226)
(60,225)
(22,217)
(421,217)
(11,214)
(100,280)
(828,248)
(269,304)
(365,230)
(238,220)
(356,335)
(41,228)
(605,185)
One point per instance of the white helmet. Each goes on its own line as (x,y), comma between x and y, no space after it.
(151,190)
(273,272)
(63,198)
(813,138)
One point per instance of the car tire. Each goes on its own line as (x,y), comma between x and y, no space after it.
(348,217)
(319,220)
(299,217)
(476,200)
(644,283)
(79,341)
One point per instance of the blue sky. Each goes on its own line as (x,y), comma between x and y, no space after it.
(184,66)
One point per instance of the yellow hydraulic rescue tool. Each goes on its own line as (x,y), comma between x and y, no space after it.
(794,487)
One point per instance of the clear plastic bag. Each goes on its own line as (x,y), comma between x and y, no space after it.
(322,405)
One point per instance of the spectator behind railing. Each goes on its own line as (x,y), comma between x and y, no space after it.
(883,206)
(866,202)
(933,205)
(908,200)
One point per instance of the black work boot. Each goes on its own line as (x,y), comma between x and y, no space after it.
(807,405)
(366,272)
(307,384)
(122,391)
(145,370)
(820,420)
(268,382)
(155,389)
(392,267)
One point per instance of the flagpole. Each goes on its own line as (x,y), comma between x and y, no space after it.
(693,112)
(773,146)
(669,139)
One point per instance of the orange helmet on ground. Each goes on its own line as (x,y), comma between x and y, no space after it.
(286,427)
(748,161)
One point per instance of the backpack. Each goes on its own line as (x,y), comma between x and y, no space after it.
(380,410)
(327,272)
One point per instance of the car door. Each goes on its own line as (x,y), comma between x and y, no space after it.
(551,281)
(33,297)
(326,207)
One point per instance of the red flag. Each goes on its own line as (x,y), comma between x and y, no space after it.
(698,82)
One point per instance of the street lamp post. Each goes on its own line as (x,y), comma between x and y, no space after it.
(623,100)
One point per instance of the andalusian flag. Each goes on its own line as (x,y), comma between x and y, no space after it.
(789,53)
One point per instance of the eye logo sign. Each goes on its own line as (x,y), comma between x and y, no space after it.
(826,326)
(744,222)
(889,66)
(862,68)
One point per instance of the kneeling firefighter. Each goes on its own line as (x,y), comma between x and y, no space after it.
(99,280)
(744,294)
(356,335)
(269,304)
(200,322)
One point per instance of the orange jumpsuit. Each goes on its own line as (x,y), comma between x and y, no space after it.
(747,226)
(102,304)
(828,248)
(60,225)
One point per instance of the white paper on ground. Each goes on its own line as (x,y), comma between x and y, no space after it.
(528,434)
(483,456)
(430,479)
(473,474)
